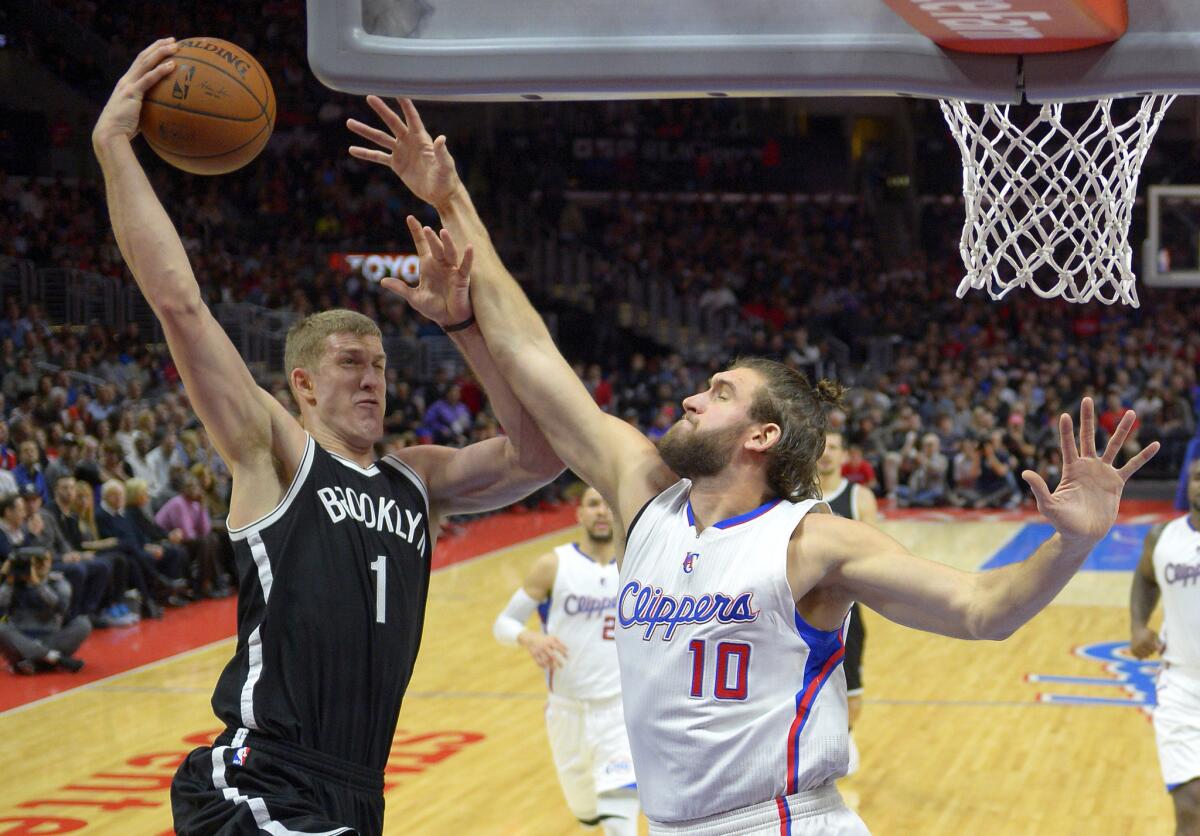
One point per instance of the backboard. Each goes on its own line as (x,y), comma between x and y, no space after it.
(545,49)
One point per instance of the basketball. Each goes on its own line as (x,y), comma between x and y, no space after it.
(214,113)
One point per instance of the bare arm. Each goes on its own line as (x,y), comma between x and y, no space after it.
(496,472)
(548,651)
(603,450)
(868,508)
(1143,597)
(847,560)
(245,423)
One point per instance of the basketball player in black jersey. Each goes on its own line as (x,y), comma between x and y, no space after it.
(333,547)
(854,502)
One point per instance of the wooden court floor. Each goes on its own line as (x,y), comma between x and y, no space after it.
(954,739)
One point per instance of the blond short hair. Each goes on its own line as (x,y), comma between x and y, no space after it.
(135,489)
(306,339)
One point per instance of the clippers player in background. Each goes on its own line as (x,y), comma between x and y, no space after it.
(574,591)
(852,502)
(1170,568)
(733,594)
(333,546)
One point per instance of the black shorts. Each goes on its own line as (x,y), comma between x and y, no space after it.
(244,782)
(856,637)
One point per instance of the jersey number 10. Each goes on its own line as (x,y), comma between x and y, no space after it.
(729,654)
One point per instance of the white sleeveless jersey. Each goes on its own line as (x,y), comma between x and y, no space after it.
(582,612)
(1177,570)
(731,699)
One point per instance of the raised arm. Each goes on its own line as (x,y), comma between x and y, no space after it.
(866,565)
(603,450)
(492,473)
(1143,597)
(246,424)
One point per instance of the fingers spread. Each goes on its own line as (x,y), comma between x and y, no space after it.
(1087,428)
(435,244)
(418,236)
(468,260)
(1066,437)
(1041,491)
(372,134)
(1119,436)
(410,115)
(370,155)
(1135,464)
(448,247)
(390,117)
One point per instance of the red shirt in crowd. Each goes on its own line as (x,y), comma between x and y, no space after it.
(860,473)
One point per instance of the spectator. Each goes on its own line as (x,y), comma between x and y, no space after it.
(90,579)
(29,470)
(858,470)
(162,568)
(927,484)
(448,419)
(37,636)
(187,520)
(997,483)
(73,513)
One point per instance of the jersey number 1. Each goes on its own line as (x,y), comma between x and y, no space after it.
(379,567)
(727,652)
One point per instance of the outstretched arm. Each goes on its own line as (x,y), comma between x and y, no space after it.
(867,565)
(1143,597)
(492,473)
(603,450)
(246,424)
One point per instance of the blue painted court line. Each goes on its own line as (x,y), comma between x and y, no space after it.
(1118,552)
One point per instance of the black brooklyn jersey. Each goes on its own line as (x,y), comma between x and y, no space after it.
(331,601)
(842,502)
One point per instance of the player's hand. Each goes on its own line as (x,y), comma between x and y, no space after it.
(1085,505)
(423,163)
(443,289)
(124,109)
(1145,643)
(548,651)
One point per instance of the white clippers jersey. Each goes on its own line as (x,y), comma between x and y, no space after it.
(1177,570)
(730,698)
(581,611)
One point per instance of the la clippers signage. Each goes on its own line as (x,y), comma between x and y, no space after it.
(376,266)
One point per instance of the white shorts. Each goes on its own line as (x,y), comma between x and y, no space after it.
(1177,726)
(591,749)
(819,812)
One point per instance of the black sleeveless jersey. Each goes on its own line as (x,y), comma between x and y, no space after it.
(331,601)
(842,503)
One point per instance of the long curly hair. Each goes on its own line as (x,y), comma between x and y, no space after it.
(799,408)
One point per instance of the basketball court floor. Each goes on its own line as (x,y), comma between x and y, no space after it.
(1046,733)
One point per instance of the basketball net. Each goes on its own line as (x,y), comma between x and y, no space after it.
(1048,205)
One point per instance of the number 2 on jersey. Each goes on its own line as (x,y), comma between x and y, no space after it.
(726,653)
(379,567)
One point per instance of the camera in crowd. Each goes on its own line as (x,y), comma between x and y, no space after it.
(27,565)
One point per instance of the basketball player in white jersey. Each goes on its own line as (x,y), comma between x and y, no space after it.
(854,502)
(1170,568)
(736,581)
(574,590)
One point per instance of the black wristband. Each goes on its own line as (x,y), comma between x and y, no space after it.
(462,326)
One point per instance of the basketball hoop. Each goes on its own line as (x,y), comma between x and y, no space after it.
(1048,205)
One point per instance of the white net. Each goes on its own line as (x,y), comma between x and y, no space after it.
(1048,202)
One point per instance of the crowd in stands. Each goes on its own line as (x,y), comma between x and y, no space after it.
(112,499)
